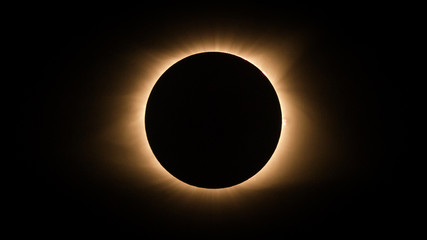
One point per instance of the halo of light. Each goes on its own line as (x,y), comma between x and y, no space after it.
(270,56)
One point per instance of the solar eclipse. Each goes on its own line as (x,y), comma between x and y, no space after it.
(272,61)
(129,123)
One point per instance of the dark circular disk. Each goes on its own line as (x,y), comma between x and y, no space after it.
(213,120)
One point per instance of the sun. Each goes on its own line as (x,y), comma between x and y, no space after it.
(273,59)
(265,171)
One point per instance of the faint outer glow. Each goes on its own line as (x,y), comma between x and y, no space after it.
(271,57)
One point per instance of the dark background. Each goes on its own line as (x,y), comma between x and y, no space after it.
(348,76)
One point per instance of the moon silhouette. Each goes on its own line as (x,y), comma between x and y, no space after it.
(213,120)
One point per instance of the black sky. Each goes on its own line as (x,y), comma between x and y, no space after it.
(76,56)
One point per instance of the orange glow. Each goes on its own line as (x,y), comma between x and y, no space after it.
(271,56)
